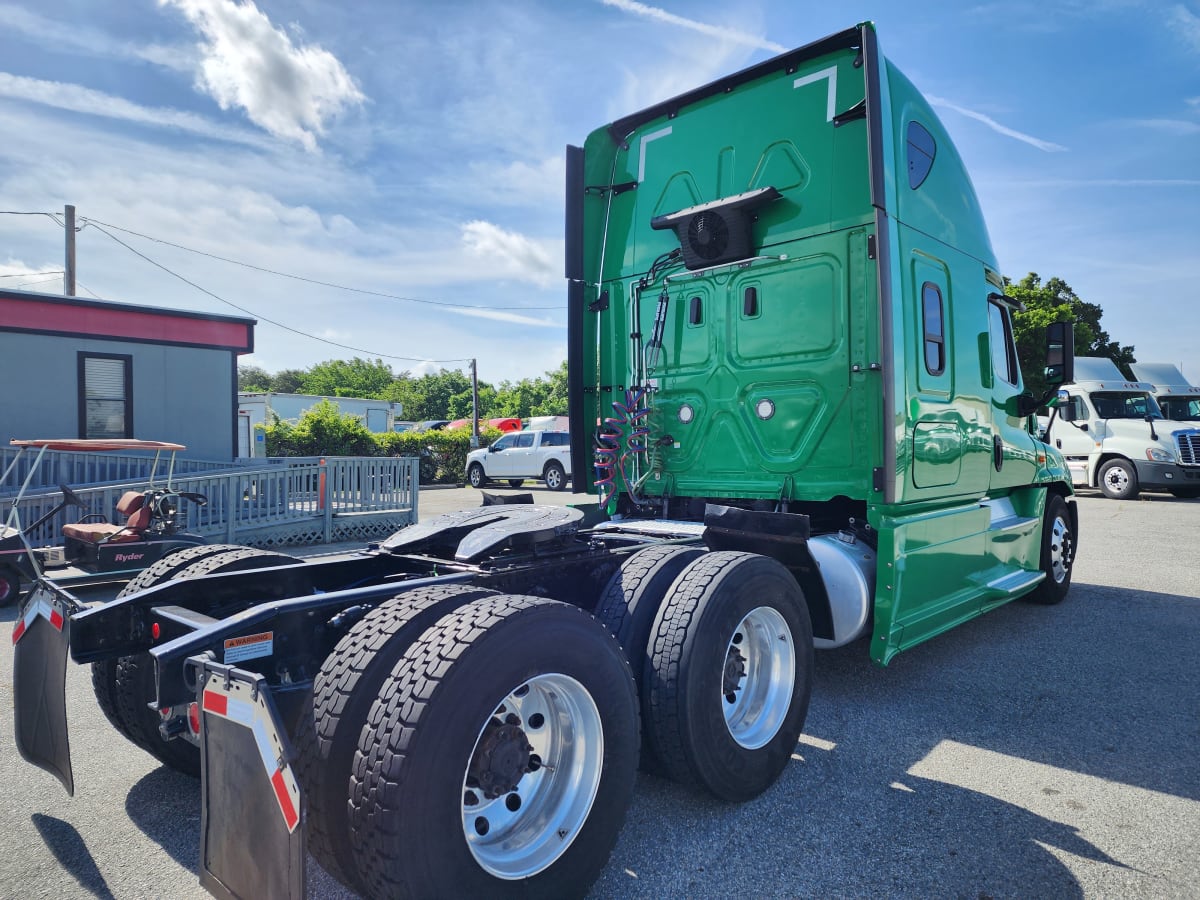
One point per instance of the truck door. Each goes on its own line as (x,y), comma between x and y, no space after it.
(1014,459)
(1069,436)
(518,459)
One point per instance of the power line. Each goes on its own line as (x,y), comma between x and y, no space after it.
(217,297)
(28,283)
(328,284)
(27,274)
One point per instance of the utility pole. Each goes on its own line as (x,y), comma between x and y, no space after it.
(69,266)
(474,406)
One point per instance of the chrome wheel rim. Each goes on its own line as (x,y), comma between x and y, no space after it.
(1060,550)
(532,777)
(553,479)
(1117,479)
(759,677)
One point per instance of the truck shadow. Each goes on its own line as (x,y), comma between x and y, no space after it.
(69,848)
(979,764)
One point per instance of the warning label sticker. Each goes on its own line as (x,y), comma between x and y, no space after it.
(251,646)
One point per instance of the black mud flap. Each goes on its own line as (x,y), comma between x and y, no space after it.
(40,640)
(251,814)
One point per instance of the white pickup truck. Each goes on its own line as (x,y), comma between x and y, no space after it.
(545,455)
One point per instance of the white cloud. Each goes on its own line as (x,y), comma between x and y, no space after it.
(513,255)
(1170,126)
(78,99)
(78,38)
(730,35)
(1047,146)
(1186,24)
(291,91)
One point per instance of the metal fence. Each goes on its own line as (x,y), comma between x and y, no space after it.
(286,502)
(72,468)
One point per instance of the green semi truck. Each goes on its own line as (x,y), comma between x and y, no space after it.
(792,357)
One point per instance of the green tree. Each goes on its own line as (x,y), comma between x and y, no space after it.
(349,378)
(288,381)
(253,378)
(1055,301)
(429,396)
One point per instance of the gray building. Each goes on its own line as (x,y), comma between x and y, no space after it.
(95,369)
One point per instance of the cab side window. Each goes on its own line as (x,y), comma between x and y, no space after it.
(1004,353)
(935,329)
(524,439)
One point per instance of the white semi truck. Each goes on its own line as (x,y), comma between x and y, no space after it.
(1115,437)
(1178,400)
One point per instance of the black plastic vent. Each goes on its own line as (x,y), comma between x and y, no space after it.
(718,232)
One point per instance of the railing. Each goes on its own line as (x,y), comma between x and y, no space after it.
(72,468)
(338,498)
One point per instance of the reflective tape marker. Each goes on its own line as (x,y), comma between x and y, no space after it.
(226,703)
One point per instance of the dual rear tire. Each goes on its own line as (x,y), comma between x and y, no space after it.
(493,750)
(721,646)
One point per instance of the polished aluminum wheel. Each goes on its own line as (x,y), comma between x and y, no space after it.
(533,776)
(759,677)
(1061,550)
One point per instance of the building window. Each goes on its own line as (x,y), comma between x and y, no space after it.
(935,329)
(105,395)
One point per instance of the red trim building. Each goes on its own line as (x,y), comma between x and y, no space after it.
(96,369)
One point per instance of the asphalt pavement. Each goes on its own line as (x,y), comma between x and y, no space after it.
(1034,752)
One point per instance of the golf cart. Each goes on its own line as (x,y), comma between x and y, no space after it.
(94,549)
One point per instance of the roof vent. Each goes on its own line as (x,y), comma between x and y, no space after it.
(717,232)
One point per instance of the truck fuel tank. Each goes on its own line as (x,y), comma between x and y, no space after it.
(847,567)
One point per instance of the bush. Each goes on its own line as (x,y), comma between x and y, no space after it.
(323,431)
(443,454)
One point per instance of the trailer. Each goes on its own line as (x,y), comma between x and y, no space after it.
(794,392)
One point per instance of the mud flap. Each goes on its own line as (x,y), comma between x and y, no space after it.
(251,814)
(41,637)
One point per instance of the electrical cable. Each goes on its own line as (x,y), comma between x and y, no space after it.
(248,312)
(306,280)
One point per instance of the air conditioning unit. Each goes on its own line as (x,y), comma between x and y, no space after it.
(717,232)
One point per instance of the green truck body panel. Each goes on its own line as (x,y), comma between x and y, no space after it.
(855,355)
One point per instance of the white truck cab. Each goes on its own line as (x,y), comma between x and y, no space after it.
(1115,437)
(1178,400)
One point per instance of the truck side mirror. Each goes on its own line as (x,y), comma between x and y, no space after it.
(1060,353)
(1066,406)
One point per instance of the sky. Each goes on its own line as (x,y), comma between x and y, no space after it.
(402,161)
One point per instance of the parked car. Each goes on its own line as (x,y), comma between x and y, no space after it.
(431,425)
(545,455)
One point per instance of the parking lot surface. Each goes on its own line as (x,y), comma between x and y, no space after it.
(1037,751)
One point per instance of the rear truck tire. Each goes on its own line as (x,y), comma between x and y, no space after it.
(104,672)
(344,690)
(500,759)
(629,604)
(516,482)
(10,586)
(1118,480)
(1058,553)
(133,680)
(475,476)
(727,685)
(555,476)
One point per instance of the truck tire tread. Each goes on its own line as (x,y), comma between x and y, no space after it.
(673,714)
(104,672)
(346,685)
(133,676)
(392,764)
